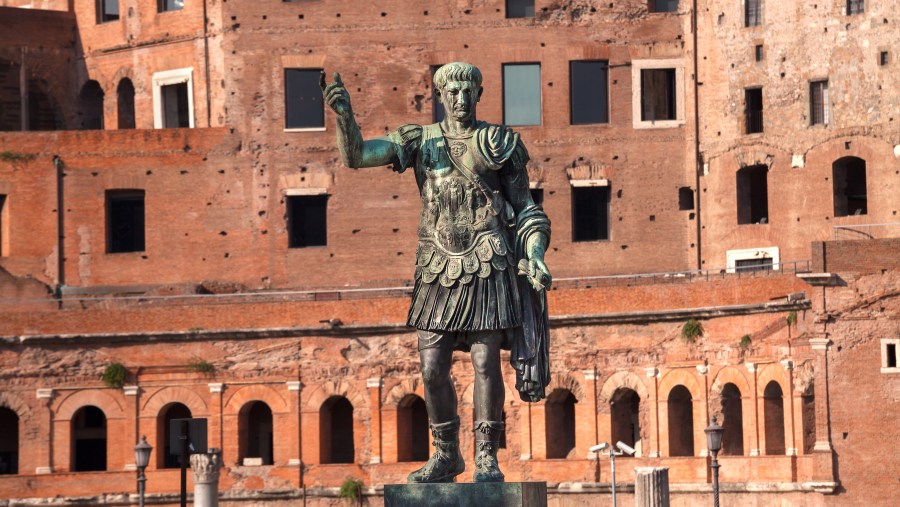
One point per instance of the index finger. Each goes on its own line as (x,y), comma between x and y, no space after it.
(337,78)
(322,80)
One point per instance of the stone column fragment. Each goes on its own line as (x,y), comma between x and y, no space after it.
(651,487)
(206,478)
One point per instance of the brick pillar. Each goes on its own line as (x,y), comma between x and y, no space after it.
(591,435)
(790,432)
(700,436)
(824,468)
(215,428)
(133,427)
(296,434)
(374,386)
(44,450)
(754,414)
(653,448)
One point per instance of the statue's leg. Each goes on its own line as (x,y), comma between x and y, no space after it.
(436,353)
(489,398)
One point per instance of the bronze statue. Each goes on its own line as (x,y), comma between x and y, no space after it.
(478,226)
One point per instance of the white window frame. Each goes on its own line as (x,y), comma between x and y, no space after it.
(732,256)
(636,67)
(884,366)
(171,77)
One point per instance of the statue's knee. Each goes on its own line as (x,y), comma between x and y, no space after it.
(434,375)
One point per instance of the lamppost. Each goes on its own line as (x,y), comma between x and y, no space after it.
(714,443)
(142,459)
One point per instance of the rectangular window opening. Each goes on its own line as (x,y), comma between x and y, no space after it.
(590,213)
(4,224)
(752,13)
(747,265)
(685,199)
(307,220)
(176,109)
(124,221)
(818,103)
(170,5)
(848,177)
(519,8)
(662,5)
(758,52)
(891,355)
(658,94)
(589,92)
(303,102)
(883,58)
(522,94)
(856,6)
(107,10)
(437,109)
(753,100)
(753,195)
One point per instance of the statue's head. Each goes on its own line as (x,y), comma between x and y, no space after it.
(458,86)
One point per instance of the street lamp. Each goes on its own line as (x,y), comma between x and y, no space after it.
(142,459)
(714,443)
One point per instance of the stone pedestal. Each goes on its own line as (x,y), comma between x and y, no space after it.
(495,494)
(206,478)
(651,487)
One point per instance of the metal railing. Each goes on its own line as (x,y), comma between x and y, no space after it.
(867,231)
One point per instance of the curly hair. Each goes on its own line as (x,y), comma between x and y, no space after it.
(456,71)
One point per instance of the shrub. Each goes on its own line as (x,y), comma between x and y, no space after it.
(351,489)
(114,375)
(198,365)
(792,318)
(745,342)
(691,330)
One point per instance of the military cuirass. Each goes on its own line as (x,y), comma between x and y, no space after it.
(461,229)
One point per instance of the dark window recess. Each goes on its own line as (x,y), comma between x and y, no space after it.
(170,5)
(91,106)
(773,419)
(758,52)
(89,440)
(336,431)
(733,421)
(753,100)
(107,10)
(883,58)
(590,213)
(537,195)
(662,5)
(307,220)
(850,193)
(559,423)
(124,221)
(172,411)
(658,94)
(681,422)
(746,265)
(125,96)
(589,81)
(685,198)
(753,195)
(856,6)
(259,432)
(303,104)
(4,223)
(412,429)
(818,103)
(176,110)
(891,353)
(437,109)
(752,12)
(519,8)
(9,442)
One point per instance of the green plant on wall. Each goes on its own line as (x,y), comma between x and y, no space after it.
(114,375)
(198,365)
(691,330)
(16,156)
(745,342)
(792,318)
(351,490)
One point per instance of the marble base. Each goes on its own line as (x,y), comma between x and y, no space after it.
(494,494)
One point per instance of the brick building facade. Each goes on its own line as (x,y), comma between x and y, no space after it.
(185,215)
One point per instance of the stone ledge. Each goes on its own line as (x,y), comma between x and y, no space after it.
(467,494)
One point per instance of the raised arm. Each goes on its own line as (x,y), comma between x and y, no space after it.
(355,152)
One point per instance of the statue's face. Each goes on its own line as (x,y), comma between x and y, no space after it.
(459,99)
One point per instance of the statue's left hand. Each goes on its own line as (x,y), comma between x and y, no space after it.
(537,273)
(336,95)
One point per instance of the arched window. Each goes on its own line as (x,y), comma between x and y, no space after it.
(773,412)
(412,429)
(336,431)
(681,422)
(9,442)
(733,421)
(91,106)
(808,414)
(849,181)
(256,433)
(89,440)
(163,431)
(624,408)
(559,423)
(125,96)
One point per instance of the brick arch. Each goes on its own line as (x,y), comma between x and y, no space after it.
(682,377)
(563,380)
(619,380)
(770,372)
(14,403)
(731,375)
(319,394)
(256,392)
(100,398)
(122,73)
(409,385)
(188,397)
(865,147)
